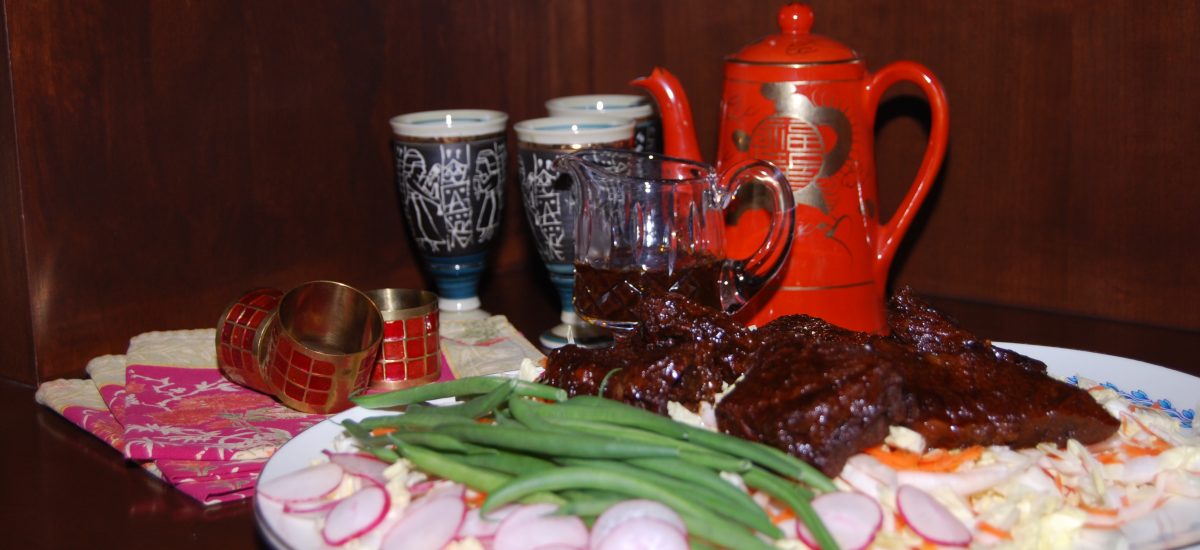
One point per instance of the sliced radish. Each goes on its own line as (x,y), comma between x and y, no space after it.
(629,510)
(427,524)
(535,526)
(474,525)
(310,507)
(644,533)
(929,518)
(361,465)
(310,483)
(355,515)
(421,488)
(448,490)
(852,518)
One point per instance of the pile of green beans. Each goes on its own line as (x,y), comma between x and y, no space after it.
(522,441)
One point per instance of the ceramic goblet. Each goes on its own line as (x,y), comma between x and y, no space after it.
(647,129)
(551,202)
(450,167)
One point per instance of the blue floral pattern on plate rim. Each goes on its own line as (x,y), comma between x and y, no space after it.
(1139,398)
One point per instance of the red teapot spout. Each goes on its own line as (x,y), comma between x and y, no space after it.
(679,133)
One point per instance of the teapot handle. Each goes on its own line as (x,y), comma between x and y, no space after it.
(742,279)
(888,236)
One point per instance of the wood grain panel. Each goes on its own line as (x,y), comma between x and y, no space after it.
(16,337)
(162,157)
(1070,169)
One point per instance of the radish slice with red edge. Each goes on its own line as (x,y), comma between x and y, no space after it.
(852,518)
(310,507)
(629,510)
(310,483)
(536,525)
(355,515)
(928,518)
(361,465)
(427,524)
(644,533)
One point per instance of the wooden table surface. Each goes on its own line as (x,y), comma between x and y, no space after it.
(62,488)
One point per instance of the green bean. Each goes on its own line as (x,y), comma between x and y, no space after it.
(790,495)
(473,385)
(482,405)
(420,421)
(689,451)
(525,411)
(699,521)
(506,462)
(540,391)
(480,479)
(386,454)
(438,442)
(600,409)
(701,477)
(754,517)
(357,430)
(553,443)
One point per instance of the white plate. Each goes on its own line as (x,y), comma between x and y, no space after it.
(1173,391)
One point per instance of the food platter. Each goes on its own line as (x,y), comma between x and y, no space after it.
(1175,393)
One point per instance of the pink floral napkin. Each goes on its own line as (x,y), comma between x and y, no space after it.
(198,414)
(167,407)
(80,402)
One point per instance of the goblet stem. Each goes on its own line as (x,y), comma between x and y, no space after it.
(457,280)
(571,329)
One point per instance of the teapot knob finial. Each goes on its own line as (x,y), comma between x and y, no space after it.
(795,18)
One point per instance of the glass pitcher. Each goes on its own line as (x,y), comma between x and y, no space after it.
(650,223)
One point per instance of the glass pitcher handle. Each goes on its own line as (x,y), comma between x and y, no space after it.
(742,279)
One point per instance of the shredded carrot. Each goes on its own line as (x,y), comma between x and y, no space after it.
(1108,457)
(896,459)
(377,432)
(474,499)
(1156,448)
(485,420)
(926,545)
(994,531)
(1099,511)
(934,461)
(783,514)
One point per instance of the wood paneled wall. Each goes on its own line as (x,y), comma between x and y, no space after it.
(158,158)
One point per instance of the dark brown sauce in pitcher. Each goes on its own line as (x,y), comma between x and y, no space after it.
(607,296)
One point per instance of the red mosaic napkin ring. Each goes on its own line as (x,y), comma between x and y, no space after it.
(240,333)
(410,354)
(322,346)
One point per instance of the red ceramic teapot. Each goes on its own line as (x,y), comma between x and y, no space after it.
(807,104)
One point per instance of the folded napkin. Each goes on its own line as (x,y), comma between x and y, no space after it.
(80,402)
(198,414)
(479,347)
(164,404)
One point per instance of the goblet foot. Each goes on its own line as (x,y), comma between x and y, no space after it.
(573,330)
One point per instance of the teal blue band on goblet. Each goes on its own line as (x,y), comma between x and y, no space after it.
(562,276)
(457,277)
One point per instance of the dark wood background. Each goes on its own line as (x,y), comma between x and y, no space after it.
(157,158)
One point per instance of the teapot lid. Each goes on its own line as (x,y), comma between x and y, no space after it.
(794,45)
